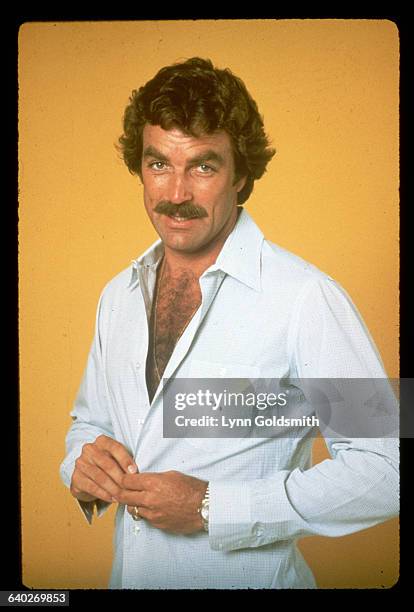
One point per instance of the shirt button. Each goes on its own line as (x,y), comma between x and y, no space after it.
(137,365)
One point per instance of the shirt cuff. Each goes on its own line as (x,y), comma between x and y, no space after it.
(88,508)
(252,513)
(67,467)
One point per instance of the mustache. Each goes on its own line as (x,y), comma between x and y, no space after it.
(187,210)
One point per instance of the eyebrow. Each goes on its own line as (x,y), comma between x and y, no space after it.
(151,151)
(209,155)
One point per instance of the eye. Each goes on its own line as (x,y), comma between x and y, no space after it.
(205,169)
(157,165)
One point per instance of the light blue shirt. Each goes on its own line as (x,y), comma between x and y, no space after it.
(265,313)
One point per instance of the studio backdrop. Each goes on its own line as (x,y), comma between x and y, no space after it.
(328,91)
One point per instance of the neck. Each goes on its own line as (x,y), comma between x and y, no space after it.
(176,261)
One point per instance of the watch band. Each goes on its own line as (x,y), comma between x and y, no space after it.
(205,508)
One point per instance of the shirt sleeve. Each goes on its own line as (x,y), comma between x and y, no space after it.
(358,487)
(90,419)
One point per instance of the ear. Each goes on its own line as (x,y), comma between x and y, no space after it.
(240,183)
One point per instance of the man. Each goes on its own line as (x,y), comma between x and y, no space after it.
(213,298)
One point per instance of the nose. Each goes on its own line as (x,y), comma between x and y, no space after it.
(179,189)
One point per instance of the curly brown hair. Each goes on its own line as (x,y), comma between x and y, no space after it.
(199,99)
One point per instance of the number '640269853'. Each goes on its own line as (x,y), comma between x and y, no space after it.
(36,598)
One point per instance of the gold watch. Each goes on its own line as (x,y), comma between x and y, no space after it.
(205,508)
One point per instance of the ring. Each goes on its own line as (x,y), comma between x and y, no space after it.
(135,514)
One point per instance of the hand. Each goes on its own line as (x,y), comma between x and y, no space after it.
(167,500)
(100,469)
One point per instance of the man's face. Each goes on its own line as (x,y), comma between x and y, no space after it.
(189,190)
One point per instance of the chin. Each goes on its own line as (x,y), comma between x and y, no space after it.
(182,242)
(183,247)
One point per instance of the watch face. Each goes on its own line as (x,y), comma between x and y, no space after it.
(204,512)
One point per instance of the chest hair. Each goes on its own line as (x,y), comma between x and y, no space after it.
(178,298)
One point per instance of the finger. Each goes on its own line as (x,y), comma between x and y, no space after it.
(133,498)
(142,511)
(82,484)
(92,472)
(119,452)
(137,482)
(131,508)
(104,461)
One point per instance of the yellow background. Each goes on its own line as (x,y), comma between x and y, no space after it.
(328,90)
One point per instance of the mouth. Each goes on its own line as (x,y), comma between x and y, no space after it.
(180,219)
